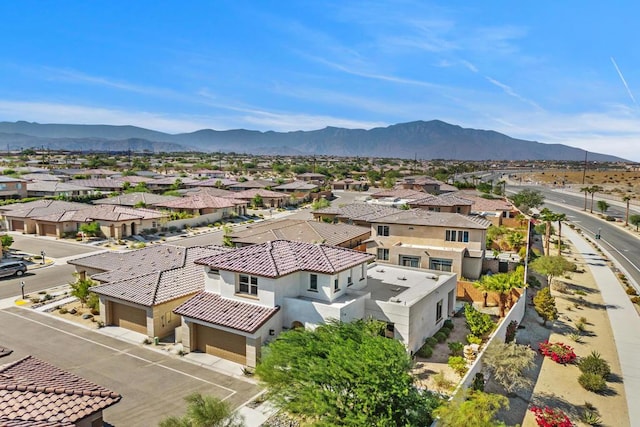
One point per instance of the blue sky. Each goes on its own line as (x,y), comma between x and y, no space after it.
(556,72)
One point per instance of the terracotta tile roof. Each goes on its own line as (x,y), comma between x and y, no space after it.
(250,194)
(434,219)
(213,182)
(218,192)
(198,201)
(296,185)
(399,193)
(358,211)
(41,208)
(212,308)
(253,184)
(132,199)
(161,286)
(480,204)
(99,183)
(34,393)
(133,179)
(301,231)
(441,200)
(281,257)
(103,213)
(54,186)
(170,180)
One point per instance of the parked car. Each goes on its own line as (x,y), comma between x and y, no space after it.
(13,268)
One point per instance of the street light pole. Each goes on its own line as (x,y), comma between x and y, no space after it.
(22,288)
(42,253)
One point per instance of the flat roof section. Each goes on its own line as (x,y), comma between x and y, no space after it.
(400,284)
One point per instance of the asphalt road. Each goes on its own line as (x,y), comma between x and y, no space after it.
(36,280)
(625,247)
(152,384)
(53,248)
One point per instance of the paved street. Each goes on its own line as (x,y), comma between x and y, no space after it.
(53,248)
(152,383)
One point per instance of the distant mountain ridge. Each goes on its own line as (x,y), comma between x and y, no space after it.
(433,139)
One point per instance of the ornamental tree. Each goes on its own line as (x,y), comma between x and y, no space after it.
(476,409)
(509,364)
(552,266)
(527,199)
(344,374)
(545,305)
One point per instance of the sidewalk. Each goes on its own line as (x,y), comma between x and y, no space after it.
(623,317)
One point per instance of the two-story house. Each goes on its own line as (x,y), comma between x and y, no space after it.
(255,292)
(440,241)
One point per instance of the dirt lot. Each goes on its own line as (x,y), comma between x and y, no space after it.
(613,181)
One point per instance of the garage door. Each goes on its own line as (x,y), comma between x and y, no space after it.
(49,230)
(222,344)
(17,225)
(134,319)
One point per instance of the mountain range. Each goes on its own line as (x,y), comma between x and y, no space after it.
(433,139)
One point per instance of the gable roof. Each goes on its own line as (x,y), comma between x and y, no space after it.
(434,219)
(113,213)
(35,393)
(55,186)
(358,211)
(161,286)
(296,185)
(399,193)
(299,230)
(281,257)
(40,207)
(201,201)
(234,314)
(250,194)
(132,199)
(446,199)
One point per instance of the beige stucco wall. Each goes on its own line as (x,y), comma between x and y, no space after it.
(164,320)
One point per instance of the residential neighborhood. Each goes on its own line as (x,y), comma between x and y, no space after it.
(207,278)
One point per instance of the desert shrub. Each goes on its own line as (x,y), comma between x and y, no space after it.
(575,337)
(448,324)
(425,351)
(581,325)
(592,382)
(479,323)
(580,292)
(512,328)
(440,336)
(635,300)
(455,348)
(431,341)
(631,291)
(595,364)
(458,364)
(591,418)
(533,281)
(560,287)
(63,310)
(478,382)
(472,339)
(445,331)
(442,382)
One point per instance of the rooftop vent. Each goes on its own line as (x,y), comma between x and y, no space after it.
(394,299)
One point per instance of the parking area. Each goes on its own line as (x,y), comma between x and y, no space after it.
(153,384)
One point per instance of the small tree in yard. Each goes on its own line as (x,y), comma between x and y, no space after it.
(509,363)
(545,305)
(479,323)
(257,202)
(91,229)
(635,220)
(552,266)
(320,203)
(6,241)
(204,411)
(81,289)
(603,206)
(477,409)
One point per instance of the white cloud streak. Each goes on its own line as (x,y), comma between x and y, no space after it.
(624,82)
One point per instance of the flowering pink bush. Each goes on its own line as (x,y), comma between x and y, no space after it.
(549,417)
(559,352)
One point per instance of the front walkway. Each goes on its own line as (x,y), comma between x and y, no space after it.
(623,317)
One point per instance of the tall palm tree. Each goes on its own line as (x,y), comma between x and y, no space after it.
(593,190)
(548,217)
(560,217)
(626,215)
(502,284)
(585,190)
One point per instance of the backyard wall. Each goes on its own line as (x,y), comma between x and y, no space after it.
(467,292)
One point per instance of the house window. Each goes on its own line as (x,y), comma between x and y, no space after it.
(350,278)
(383,254)
(248,285)
(383,230)
(313,282)
(456,236)
(439,311)
(336,287)
(440,264)
(410,261)
(390,330)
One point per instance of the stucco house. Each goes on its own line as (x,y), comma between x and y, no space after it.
(12,188)
(447,202)
(138,290)
(22,217)
(362,214)
(440,241)
(255,292)
(210,208)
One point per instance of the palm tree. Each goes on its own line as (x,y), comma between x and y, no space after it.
(626,215)
(548,217)
(204,411)
(560,217)
(502,284)
(593,190)
(585,190)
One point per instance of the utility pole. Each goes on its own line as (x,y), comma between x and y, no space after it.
(584,171)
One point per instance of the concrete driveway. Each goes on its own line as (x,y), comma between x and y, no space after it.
(153,384)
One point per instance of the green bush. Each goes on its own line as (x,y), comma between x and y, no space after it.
(448,324)
(456,348)
(595,364)
(445,331)
(441,337)
(431,341)
(635,300)
(592,382)
(425,351)
(631,291)
(458,364)
(472,339)
(479,323)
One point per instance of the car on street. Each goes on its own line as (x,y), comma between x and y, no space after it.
(12,268)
